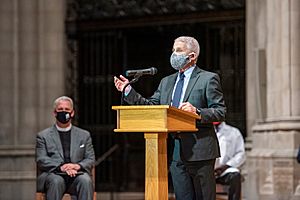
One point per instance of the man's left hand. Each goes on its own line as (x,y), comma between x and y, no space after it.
(186,106)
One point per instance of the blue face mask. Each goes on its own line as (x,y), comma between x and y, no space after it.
(179,61)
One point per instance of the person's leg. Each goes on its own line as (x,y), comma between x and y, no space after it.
(182,182)
(54,187)
(204,183)
(233,180)
(82,187)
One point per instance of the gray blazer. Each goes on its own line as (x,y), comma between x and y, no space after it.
(49,152)
(204,92)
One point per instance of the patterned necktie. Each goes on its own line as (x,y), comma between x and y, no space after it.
(175,103)
(178,91)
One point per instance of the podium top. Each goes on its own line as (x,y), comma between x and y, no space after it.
(155,107)
(154,118)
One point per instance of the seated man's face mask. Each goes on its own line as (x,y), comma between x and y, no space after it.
(63,117)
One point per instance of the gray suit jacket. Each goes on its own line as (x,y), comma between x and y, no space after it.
(204,92)
(49,152)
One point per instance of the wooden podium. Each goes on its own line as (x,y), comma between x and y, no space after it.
(155,122)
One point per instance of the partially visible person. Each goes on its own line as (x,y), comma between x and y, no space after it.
(232,157)
(64,156)
(298,155)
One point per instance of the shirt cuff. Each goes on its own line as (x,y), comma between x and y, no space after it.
(127,90)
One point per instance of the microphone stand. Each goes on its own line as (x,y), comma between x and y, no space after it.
(135,79)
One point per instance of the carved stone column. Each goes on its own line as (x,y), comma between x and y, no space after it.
(273,90)
(32,76)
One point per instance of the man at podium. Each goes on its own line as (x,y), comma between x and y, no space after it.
(193,90)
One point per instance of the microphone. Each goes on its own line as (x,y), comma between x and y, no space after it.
(141,72)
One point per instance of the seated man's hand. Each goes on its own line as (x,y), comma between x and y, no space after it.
(70,166)
(220,170)
(71,172)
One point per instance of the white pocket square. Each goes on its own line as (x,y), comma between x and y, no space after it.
(81,146)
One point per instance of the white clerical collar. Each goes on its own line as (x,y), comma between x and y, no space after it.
(63,129)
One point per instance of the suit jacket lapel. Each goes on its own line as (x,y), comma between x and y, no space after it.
(171,81)
(74,143)
(56,138)
(193,80)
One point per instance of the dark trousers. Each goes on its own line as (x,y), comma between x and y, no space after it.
(193,180)
(80,186)
(233,180)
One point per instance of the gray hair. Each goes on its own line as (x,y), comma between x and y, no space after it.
(62,98)
(191,44)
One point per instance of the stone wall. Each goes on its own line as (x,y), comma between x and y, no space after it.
(32,76)
(273,109)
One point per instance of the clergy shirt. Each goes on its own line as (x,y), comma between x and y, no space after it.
(65,139)
(232,148)
(63,129)
(187,77)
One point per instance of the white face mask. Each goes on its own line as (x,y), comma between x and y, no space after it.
(179,61)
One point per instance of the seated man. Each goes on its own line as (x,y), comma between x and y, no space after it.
(64,156)
(232,157)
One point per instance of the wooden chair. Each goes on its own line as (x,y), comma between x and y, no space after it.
(41,196)
(221,192)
